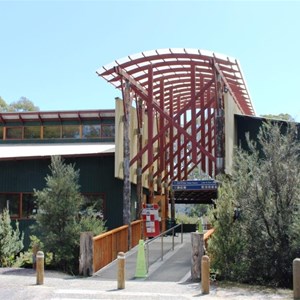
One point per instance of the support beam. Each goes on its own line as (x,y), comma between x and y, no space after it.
(220,130)
(126,154)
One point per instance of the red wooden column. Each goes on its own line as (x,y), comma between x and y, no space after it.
(161,143)
(171,142)
(150,114)
(179,177)
(193,114)
(202,126)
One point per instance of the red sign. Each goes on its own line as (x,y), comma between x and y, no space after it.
(151,220)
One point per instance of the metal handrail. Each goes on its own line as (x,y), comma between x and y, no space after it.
(172,229)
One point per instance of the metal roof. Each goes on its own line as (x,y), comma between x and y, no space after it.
(174,67)
(46,150)
(43,116)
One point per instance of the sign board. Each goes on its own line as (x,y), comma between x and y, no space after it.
(151,220)
(194,185)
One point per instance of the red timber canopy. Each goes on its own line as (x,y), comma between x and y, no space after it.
(182,92)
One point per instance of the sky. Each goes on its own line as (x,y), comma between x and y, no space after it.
(50,50)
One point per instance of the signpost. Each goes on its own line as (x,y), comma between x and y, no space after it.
(194,185)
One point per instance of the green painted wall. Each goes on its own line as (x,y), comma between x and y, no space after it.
(96,176)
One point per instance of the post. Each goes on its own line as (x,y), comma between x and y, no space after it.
(121,270)
(40,268)
(126,162)
(86,254)
(205,273)
(296,278)
(197,253)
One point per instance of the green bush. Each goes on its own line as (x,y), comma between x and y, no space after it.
(11,241)
(58,219)
(259,244)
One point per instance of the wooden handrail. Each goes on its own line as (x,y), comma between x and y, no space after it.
(110,232)
(107,245)
(207,235)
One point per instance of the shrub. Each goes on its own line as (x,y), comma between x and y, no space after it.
(11,241)
(261,244)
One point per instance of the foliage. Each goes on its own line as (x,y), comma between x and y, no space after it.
(226,244)
(11,241)
(283,117)
(91,222)
(265,186)
(186,219)
(58,219)
(199,210)
(23,104)
(25,259)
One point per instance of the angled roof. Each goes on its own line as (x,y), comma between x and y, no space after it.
(22,151)
(44,116)
(174,67)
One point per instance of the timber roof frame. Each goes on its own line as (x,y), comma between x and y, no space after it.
(173,66)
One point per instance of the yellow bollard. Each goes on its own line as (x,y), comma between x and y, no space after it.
(205,274)
(121,270)
(40,267)
(296,278)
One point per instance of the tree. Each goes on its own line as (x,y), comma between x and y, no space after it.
(22,105)
(265,187)
(58,219)
(11,241)
(282,116)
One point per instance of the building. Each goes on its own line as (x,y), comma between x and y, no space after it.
(83,138)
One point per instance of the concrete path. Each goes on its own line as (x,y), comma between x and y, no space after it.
(174,266)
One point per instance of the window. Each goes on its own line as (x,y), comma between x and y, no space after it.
(108,131)
(96,201)
(14,133)
(10,202)
(32,132)
(70,131)
(1,133)
(91,131)
(52,132)
(29,207)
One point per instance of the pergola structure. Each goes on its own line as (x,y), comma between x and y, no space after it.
(182,93)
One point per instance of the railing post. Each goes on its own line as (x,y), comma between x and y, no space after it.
(205,273)
(296,278)
(148,260)
(40,268)
(181,233)
(173,232)
(162,247)
(121,270)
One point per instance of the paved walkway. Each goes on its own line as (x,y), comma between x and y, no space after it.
(166,280)
(175,265)
(20,284)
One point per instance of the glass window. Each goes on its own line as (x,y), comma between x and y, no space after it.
(52,132)
(91,131)
(14,133)
(32,132)
(70,131)
(108,130)
(1,133)
(29,207)
(96,201)
(11,202)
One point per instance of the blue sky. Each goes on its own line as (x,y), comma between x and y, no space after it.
(50,50)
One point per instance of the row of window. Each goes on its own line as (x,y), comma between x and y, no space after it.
(23,205)
(58,131)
